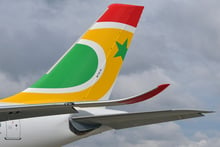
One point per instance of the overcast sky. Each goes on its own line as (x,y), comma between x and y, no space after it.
(176,42)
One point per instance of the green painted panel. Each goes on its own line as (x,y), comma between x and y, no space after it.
(76,68)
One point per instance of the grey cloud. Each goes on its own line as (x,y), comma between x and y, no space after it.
(136,83)
(10,86)
(35,34)
(166,135)
(178,35)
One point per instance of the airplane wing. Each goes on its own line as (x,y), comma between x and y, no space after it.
(125,101)
(118,121)
(127,120)
(11,112)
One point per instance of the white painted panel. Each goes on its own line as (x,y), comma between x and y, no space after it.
(13,130)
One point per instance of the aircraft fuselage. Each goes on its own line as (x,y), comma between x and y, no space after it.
(50,131)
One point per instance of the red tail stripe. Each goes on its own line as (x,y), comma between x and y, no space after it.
(123,13)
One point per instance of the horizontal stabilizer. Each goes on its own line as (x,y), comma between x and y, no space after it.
(121,121)
(125,101)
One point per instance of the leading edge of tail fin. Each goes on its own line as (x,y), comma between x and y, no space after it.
(88,70)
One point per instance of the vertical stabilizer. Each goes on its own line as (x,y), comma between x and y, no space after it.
(88,70)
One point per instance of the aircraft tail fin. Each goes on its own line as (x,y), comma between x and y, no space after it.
(88,70)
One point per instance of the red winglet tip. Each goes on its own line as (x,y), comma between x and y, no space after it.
(163,86)
(147,95)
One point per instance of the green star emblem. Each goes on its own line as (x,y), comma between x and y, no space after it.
(122,49)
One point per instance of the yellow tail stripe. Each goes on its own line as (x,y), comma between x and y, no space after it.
(101,87)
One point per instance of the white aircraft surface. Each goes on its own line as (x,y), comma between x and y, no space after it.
(69,102)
